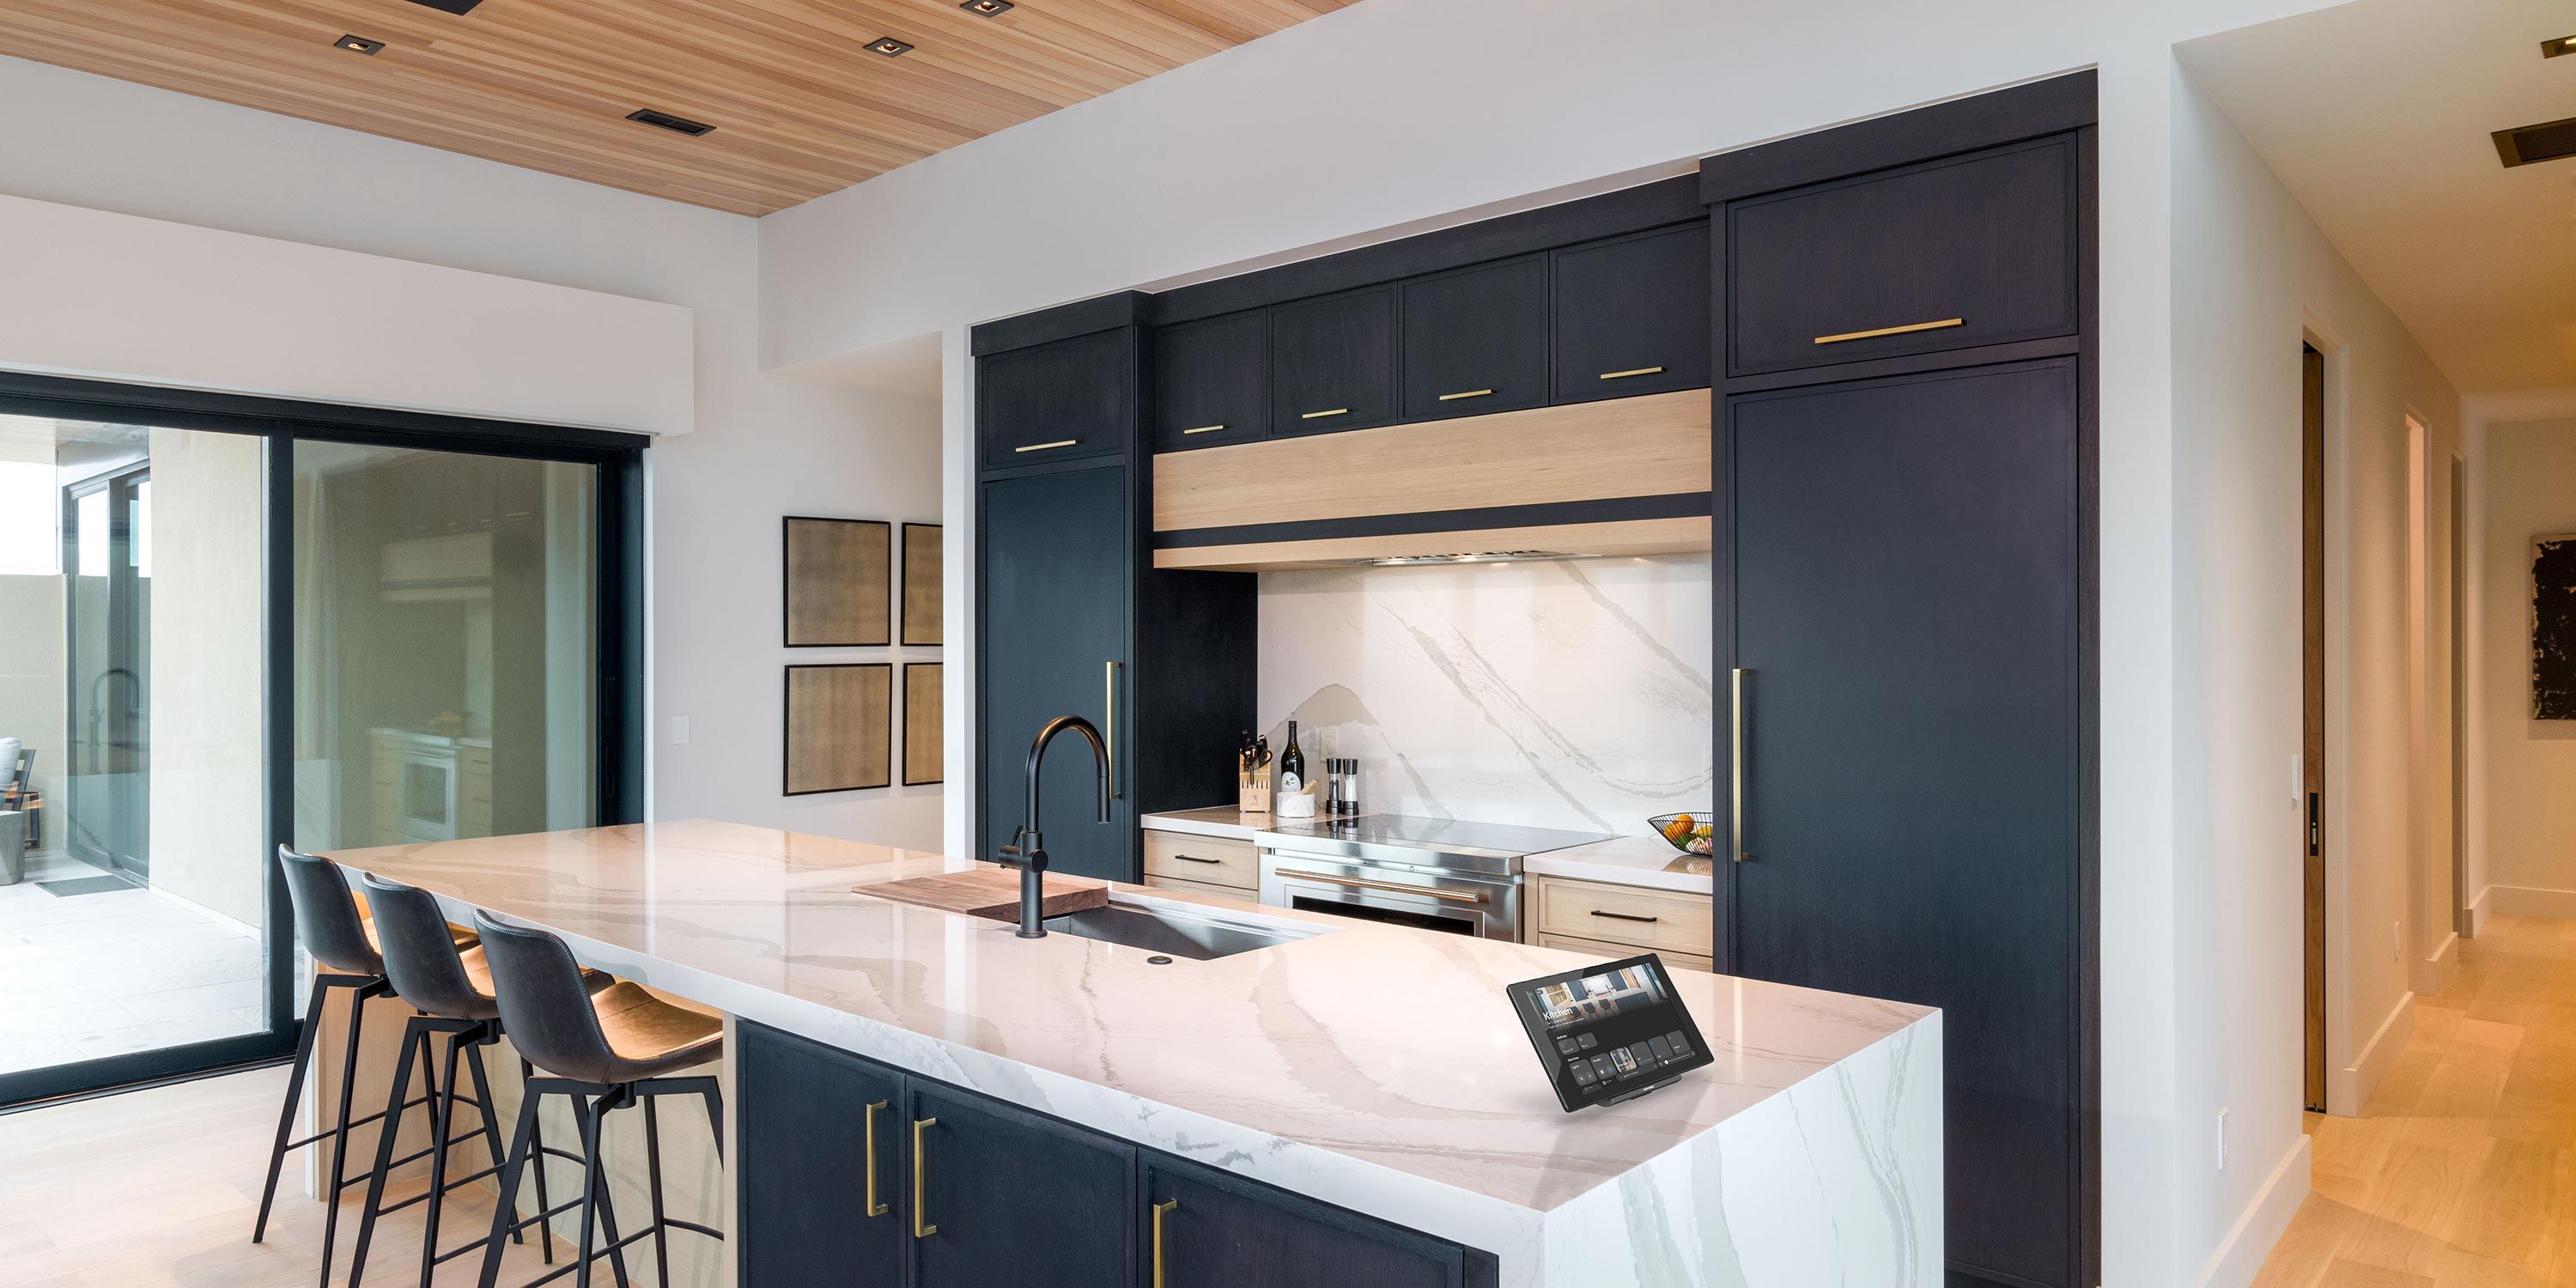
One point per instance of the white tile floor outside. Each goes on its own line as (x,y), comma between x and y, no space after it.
(94,975)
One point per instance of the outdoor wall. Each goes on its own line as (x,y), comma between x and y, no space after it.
(2523,795)
(209,812)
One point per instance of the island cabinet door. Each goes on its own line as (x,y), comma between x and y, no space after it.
(1009,1197)
(1201,1227)
(821,1165)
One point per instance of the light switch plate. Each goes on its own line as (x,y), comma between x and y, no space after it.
(679,729)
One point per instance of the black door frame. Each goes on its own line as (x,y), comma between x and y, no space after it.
(619,546)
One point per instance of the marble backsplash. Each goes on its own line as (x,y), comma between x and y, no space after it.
(1574,694)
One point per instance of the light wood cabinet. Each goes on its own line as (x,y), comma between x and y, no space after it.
(1203,860)
(1607,951)
(1662,921)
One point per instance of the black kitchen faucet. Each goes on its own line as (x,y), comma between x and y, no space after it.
(1027,850)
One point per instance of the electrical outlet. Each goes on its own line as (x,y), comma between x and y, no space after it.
(679,730)
(2222,1140)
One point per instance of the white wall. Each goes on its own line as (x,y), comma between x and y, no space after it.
(2251,272)
(1571,694)
(208,815)
(761,446)
(2523,797)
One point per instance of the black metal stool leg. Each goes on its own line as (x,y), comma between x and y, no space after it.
(332,1185)
(294,1096)
(590,1186)
(415,1044)
(505,1215)
(442,1116)
(714,1096)
(537,1159)
(483,1101)
(653,1185)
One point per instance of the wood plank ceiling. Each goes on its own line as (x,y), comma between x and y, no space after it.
(800,105)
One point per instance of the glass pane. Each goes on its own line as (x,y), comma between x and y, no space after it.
(132,880)
(444,647)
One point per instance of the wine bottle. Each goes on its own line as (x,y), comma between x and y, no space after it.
(1292,764)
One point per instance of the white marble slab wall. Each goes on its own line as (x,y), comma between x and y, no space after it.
(1567,693)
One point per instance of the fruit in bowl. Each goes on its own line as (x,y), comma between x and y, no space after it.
(1688,833)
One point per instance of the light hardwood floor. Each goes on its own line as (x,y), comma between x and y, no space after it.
(2461,1172)
(159,1187)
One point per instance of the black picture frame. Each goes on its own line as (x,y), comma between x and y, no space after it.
(790,600)
(880,739)
(936,770)
(937,635)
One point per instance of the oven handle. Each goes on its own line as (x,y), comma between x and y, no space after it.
(1452,896)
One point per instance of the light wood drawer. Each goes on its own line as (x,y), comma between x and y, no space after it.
(1596,948)
(1197,887)
(1209,860)
(1663,920)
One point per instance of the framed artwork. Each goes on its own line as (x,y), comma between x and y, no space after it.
(923,752)
(922,605)
(840,724)
(835,586)
(2553,628)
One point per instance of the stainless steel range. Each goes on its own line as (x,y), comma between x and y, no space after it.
(1429,873)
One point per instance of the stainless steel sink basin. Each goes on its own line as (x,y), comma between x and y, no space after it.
(1176,930)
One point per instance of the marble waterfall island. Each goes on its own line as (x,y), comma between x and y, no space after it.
(1374,1068)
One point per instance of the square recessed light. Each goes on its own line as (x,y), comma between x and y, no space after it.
(987,8)
(358,44)
(889,46)
(2561,45)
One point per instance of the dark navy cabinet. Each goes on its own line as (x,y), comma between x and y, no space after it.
(1631,315)
(1332,363)
(1475,341)
(1211,382)
(971,1191)
(1074,397)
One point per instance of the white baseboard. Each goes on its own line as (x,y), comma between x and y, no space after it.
(2479,908)
(2349,1088)
(2437,965)
(2240,1255)
(2528,901)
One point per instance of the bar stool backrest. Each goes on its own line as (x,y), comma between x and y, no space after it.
(326,914)
(545,1005)
(421,960)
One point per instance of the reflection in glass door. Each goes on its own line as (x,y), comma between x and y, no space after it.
(107,646)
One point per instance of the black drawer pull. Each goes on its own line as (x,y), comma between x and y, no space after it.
(1625,916)
(1192,858)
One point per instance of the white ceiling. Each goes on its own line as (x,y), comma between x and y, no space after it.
(2376,115)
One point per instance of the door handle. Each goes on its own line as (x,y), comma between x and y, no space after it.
(1161,1210)
(1109,707)
(1736,761)
(1632,371)
(1907,329)
(921,1177)
(875,1208)
(1048,447)
(1470,393)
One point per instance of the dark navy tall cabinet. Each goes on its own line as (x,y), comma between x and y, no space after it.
(1905,618)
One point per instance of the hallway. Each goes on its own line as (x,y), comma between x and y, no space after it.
(2462,1171)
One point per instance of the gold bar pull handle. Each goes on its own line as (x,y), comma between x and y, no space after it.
(875,1208)
(1204,429)
(1736,742)
(1632,371)
(1467,393)
(1329,411)
(921,1177)
(1048,447)
(1161,1210)
(1109,708)
(1907,329)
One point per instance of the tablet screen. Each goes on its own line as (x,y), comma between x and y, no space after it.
(1609,1032)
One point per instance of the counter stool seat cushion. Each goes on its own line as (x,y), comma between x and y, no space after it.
(650,1037)
(478,974)
(456,934)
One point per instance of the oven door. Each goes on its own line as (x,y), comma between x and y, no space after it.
(1422,898)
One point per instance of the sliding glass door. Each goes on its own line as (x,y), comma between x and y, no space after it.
(229,623)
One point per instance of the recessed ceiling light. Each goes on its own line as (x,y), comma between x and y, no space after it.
(987,8)
(889,46)
(358,44)
(2548,48)
(664,120)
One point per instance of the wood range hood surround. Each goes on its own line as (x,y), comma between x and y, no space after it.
(1621,476)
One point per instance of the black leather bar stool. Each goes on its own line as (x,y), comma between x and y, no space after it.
(606,1051)
(452,990)
(342,944)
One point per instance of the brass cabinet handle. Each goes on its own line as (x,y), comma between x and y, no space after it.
(1109,705)
(1045,447)
(1471,393)
(875,1208)
(1736,761)
(1452,896)
(1161,1210)
(1625,916)
(1204,429)
(1632,371)
(1330,411)
(921,1177)
(1907,329)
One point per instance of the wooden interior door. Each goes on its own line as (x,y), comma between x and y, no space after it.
(2312,756)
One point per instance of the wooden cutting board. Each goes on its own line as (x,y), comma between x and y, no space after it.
(992,892)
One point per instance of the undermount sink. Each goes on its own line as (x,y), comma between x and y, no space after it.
(1178,930)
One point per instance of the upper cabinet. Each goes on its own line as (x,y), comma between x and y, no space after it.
(1211,382)
(1475,341)
(1332,362)
(1632,315)
(1968,250)
(1073,397)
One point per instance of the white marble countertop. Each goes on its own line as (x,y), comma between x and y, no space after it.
(1649,861)
(1373,1066)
